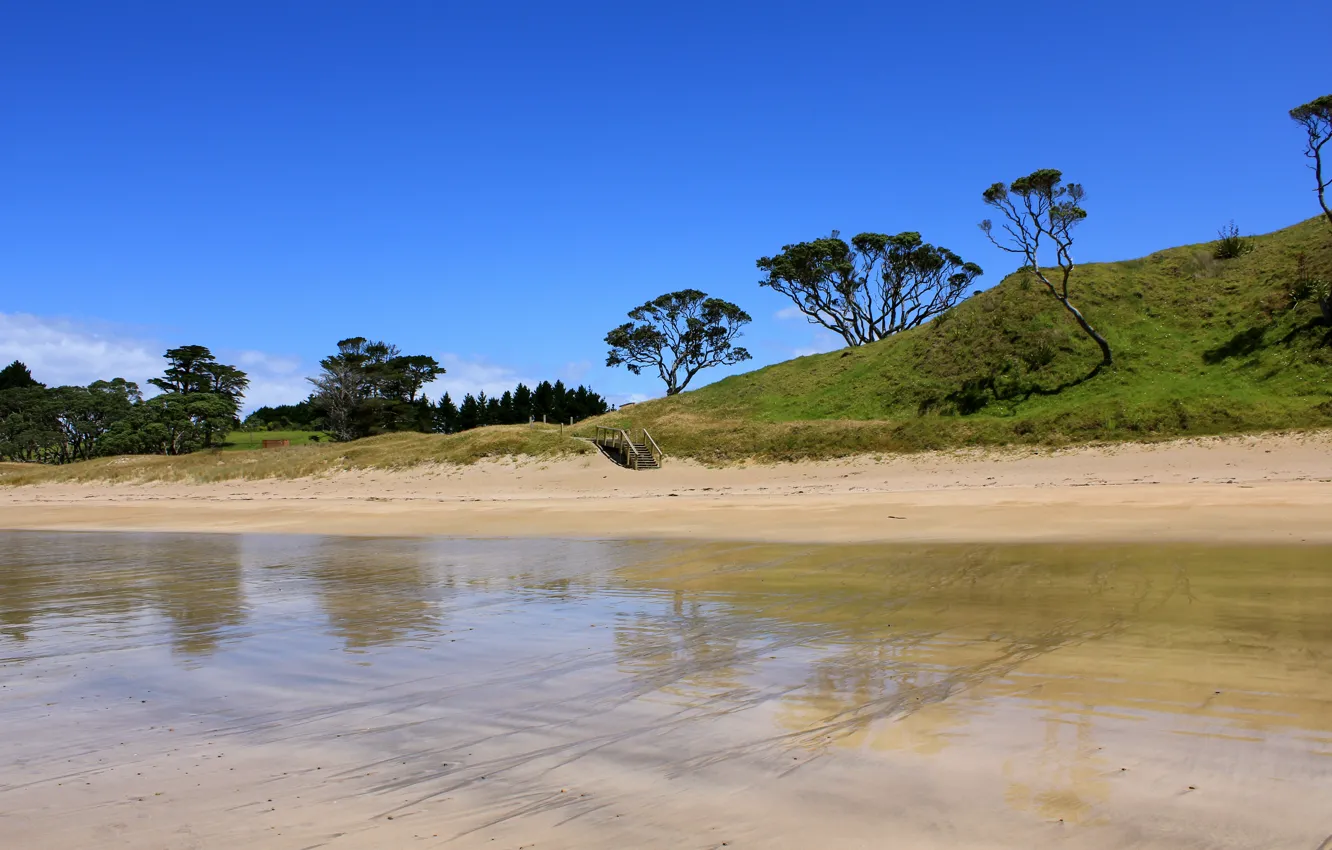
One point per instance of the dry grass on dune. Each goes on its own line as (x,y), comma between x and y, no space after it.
(390,451)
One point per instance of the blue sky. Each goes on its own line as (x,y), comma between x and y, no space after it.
(497,184)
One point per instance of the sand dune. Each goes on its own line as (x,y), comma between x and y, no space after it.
(1266,488)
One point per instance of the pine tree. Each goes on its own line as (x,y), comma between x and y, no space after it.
(543,400)
(522,403)
(16,376)
(445,419)
(469,413)
(559,408)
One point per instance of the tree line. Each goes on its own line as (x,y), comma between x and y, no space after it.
(369,388)
(364,388)
(878,285)
(197,407)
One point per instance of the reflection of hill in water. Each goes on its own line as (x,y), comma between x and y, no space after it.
(1046,652)
(890,630)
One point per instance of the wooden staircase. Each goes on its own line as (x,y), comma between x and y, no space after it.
(621,447)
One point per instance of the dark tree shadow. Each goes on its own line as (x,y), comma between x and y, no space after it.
(1243,343)
(976,393)
(1066,385)
(1315,322)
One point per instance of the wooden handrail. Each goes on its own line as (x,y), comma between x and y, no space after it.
(652,444)
(618,440)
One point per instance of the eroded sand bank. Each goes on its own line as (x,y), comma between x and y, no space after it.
(1269,488)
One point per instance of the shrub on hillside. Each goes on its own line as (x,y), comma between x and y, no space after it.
(1309,286)
(1230,244)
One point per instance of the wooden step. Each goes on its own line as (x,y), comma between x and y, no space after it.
(641,457)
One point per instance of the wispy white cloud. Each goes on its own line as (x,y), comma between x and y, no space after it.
(821,343)
(275,379)
(62,351)
(59,351)
(474,375)
(575,372)
(787,313)
(275,364)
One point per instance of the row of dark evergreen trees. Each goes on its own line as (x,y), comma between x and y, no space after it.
(370,387)
(548,402)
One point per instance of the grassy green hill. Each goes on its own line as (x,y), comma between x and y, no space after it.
(1202,346)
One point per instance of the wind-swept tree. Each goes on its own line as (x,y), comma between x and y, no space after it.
(1316,119)
(872,288)
(1042,208)
(679,334)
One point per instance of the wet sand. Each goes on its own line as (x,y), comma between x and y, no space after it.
(296,692)
(1251,489)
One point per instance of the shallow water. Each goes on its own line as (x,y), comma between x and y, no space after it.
(205,691)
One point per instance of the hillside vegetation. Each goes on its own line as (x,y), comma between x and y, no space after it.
(390,451)
(1202,346)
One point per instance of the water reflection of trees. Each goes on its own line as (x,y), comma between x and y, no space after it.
(20,594)
(1063,779)
(197,585)
(684,648)
(194,583)
(376,592)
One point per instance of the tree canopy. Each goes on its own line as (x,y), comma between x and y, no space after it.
(548,402)
(71,423)
(876,286)
(371,388)
(678,334)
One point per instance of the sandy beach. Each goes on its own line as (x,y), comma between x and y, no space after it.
(284,692)
(1273,488)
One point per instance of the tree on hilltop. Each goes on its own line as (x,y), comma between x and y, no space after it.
(876,286)
(1316,119)
(1036,207)
(679,334)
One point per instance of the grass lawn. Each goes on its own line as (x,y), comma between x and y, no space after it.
(247,440)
